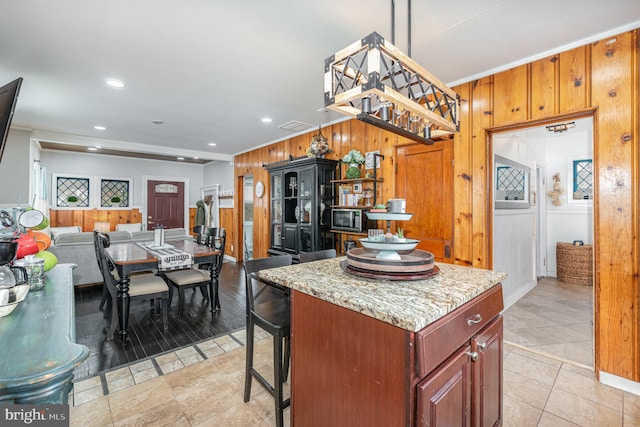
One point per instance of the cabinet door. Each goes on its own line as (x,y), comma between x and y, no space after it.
(290,238)
(487,375)
(444,397)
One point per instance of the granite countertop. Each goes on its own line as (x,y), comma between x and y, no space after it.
(410,305)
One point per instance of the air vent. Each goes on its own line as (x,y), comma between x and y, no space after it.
(295,126)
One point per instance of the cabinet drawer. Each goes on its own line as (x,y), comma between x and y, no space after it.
(444,336)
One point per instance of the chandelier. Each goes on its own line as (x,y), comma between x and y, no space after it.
(375,82)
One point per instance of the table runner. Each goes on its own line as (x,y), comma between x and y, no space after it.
(169,258)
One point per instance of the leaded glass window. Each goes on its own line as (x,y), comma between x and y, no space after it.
(114,193)
(72,191)
(583,179)
(510,183)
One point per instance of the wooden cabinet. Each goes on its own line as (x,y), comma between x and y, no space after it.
(447,374)
(466,390)
(301,199)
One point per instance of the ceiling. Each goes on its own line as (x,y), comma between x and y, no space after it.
(211,70)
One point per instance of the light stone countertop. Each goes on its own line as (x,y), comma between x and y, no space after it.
(410,305)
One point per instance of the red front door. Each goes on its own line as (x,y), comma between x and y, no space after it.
(165,204)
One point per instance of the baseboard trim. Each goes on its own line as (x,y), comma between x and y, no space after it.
(620,383)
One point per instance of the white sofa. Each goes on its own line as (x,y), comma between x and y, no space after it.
(77,248)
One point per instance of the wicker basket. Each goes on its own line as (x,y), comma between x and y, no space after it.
(575,263)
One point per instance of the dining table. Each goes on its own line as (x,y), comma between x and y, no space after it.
(130,257)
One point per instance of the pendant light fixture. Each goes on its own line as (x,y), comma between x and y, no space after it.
(375,82)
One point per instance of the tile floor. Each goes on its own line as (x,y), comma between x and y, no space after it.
(554,318)
(201,385)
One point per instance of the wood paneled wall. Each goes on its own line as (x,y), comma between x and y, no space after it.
(598,80)
(86,218)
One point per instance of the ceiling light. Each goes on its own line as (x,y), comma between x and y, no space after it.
(180,158)
(266,120)
(212,144)
(100,128)
(196,158)
(92,149)
(98,146)
(376,83)
(118,84)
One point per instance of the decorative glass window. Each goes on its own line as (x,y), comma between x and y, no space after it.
(582,171)
(166,188)
(114,193)
(510,183)
(72,191)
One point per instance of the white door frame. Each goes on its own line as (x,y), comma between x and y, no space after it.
(541,222)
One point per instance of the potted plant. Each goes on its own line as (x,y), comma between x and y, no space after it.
(353,159)
(72,200)
(401,238)
(115,201)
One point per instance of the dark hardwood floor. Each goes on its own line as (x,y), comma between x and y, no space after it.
(146,334)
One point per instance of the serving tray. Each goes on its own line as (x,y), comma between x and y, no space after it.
(392,276)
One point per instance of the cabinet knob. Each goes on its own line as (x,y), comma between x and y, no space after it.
(473,355)
(482,346)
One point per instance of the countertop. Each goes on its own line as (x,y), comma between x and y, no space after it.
(410,305)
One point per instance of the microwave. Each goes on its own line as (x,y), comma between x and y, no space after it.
(349,220)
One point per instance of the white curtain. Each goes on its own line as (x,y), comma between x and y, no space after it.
(40,193)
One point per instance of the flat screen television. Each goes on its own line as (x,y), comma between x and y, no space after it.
(8,99)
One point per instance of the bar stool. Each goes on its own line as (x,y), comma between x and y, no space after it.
(268,309)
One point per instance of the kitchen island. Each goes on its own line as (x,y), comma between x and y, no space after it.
(369,352)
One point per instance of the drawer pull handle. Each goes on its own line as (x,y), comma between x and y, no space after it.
(473,355)
(474,320)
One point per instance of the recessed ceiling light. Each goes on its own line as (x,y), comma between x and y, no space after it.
(119,84)
(157,122)
(196,158)
(212,144)
(98,146)
(266,120)
(92,149)
(180,158)
(100,128)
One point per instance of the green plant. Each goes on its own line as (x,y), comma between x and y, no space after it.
(115,199)
(72,199)
(353,156)
(400,233)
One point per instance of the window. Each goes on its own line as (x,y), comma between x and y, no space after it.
(72,191)
(85,191)
(114,193)
(582,177)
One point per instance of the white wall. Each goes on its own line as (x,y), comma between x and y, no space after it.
(58,162)
(219,172)
(514,230)
(15,170)
(571,220)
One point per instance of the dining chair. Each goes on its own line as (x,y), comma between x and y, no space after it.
(141,286)
(106,297)
(199,276)
(268,309)
(316,255)
(199,231)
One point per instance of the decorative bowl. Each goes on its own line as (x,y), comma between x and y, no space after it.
(11,297)
(407,245)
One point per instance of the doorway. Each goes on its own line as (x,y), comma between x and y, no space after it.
(165,204)
(247,216)
(543,313)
